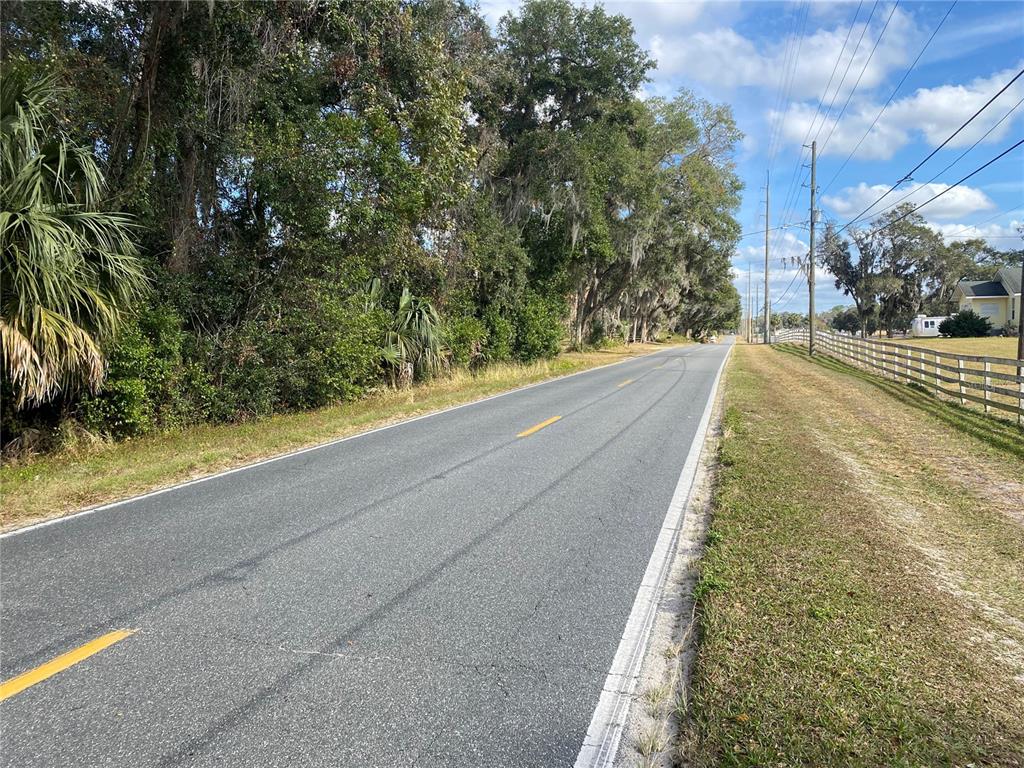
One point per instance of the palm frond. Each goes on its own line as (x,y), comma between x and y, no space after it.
(70,270)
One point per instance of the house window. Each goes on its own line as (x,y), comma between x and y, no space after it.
(989,309)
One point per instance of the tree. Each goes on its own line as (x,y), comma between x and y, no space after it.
(848,320)
(858,278)
(276,157)
(70,269)
(790,319)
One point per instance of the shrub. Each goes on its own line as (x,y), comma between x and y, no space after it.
(149,384)
(965,323)
(317,350)
(538,327)
(330,352)
(466,338)
(243,369)
(500,336)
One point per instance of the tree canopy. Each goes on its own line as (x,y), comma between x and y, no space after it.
(324,196)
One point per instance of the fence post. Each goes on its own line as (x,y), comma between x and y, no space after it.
(962,377)
(922,369)
(937,374)
(988,368)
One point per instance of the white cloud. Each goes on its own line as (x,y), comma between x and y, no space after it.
(932,113)
(958,202)
(654,14)
(724,58)
(1001,236)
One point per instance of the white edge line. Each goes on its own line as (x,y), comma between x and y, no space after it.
(289,454)
(601,743)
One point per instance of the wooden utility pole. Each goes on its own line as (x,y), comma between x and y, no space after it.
(810,255)
(767,227)
(750,307)
(757,307)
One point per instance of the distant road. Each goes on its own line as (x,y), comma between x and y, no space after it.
(446,592)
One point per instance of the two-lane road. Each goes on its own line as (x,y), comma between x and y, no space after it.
(447,591)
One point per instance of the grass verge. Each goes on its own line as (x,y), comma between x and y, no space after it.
(862,595)
(57,484)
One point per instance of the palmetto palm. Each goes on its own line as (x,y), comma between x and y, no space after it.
(70,270)
(413,343)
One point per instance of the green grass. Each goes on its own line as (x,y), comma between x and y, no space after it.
(857,599)
(57,484)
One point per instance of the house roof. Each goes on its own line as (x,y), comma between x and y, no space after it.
(1010,278)
(982,288)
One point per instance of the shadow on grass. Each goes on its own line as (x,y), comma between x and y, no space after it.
(998,433)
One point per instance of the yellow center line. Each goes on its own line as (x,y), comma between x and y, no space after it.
(538,427)
(627,381)
(62,662)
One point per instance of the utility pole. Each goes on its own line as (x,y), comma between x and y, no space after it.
(767,226)
(757,306)
(810,259)
(750,307)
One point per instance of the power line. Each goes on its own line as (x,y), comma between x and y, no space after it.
(891,97)
(786,82)
(849,64)
(860,76)
(787,206)
(782,300)
(947,189)
(959,232)
(909,175)
(771,229)
(892,206)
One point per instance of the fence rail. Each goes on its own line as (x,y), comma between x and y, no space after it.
(990,382)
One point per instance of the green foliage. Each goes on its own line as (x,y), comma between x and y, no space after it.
(467,340)
(847,320)
(328,351)
(275,157)
(965,323)
(500,335)
(538,327)
(149,382)
(69,269)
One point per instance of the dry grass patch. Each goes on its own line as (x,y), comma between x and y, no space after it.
(98,472)
(861,599)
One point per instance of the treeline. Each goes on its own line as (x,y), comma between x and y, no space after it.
(897,267)
(229,209)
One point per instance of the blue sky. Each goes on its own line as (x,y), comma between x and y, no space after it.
(745,54)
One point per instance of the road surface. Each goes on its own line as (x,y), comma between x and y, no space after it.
(450,591)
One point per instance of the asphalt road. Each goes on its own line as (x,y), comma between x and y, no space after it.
(441,593)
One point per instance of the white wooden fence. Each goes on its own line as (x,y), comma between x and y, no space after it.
(988,382)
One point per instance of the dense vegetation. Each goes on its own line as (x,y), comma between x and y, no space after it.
(274,206)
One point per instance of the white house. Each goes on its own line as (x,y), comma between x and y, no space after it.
(923,325)
(998,300)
